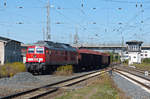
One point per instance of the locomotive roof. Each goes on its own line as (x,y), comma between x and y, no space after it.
(56,46)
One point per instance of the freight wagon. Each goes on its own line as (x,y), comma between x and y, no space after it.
(89,59)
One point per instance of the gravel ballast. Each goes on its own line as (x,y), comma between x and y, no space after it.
(23,77)
(25,81)
(19,82)
(130,89)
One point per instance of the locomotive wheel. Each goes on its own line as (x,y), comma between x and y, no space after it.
(76,68)
(40,69)
(43,70)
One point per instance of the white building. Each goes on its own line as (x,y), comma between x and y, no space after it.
(124,56)
(134,51)
(145,54)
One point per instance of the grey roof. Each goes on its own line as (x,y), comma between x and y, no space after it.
(134,42)
(56,46)
(4,39)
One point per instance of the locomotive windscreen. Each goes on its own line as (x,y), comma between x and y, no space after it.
(40,50)
(31,50)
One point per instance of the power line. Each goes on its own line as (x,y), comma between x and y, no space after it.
(125,1)
(42,1)
(68,18)
(132,19)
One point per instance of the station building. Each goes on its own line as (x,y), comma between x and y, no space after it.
(10,50)
(145,54)
(134,51)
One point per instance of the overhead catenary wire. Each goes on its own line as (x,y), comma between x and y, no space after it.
(86,15)
(127,1)
(57,9)
(81,9)
(68,18)
(129,21)
(140,22)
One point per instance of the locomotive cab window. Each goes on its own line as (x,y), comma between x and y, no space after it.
(31,50)
(40,50)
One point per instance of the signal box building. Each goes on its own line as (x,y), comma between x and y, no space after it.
(10,50)
(134,51)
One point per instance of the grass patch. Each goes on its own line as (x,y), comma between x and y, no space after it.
(146,60)
(64,70)
(143,66)
(102,88)
(11,69)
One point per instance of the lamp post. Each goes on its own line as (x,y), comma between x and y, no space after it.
(122,41)
(122,44)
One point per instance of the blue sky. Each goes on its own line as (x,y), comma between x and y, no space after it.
(98,21)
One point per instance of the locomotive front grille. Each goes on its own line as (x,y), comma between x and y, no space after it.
(34,56)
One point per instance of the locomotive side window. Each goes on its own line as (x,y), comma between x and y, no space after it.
(40,50)
(31,50)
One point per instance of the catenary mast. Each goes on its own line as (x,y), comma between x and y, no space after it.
(48,36)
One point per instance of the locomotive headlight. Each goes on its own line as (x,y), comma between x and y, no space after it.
(40,59)
(30,59)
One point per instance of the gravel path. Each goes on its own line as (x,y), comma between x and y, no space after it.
(131,90)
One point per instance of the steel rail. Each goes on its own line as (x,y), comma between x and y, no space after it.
(133,79)
(70,83)
(132,73)
(138,70)
(50,86)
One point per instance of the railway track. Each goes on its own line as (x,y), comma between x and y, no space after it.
(51,88)
(137,70)
(140,73)
(140,80)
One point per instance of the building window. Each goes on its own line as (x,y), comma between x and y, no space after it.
(141,54)
(145,54)
(134,57)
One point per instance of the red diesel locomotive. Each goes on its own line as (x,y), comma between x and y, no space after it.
(47,54)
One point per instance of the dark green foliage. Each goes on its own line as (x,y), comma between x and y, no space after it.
(114,57)
(64,70)
(125,61)
(11,69)
(146,60)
